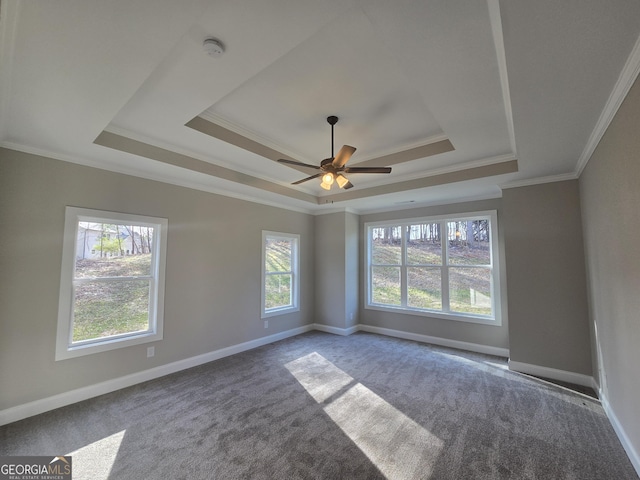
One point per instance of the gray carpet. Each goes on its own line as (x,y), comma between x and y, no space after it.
(328,407)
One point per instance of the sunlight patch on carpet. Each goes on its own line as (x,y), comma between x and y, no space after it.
(397,445)
(94,461)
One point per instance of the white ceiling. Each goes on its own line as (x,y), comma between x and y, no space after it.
(521,89)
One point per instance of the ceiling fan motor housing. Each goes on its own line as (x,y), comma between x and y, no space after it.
(326,161)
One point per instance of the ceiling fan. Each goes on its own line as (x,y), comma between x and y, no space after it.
(332,169)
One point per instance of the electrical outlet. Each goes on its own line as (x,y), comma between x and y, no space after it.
(266,324)
(351,316)
(151,351)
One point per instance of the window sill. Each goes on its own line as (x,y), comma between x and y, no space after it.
(75,351)
(458,317)
(279,311)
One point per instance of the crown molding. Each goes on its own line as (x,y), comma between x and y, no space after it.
(170,157)
(458,167)
(462,173)
(123,132)
(251,135)
(496,27)
(329,211)
(425,142)
(620,90)
(539,180)
(154,176)
(402,206)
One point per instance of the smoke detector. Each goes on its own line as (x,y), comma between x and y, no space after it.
(213,47)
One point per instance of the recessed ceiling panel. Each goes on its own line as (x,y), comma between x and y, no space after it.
(343,70)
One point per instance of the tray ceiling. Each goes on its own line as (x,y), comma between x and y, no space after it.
(460,98)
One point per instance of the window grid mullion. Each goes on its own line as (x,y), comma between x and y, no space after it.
(444,242)
(404,280)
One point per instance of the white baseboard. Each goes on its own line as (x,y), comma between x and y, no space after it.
(444,342)
(36,407)
(632,453)
(596,386)
(552,373)
(335,330)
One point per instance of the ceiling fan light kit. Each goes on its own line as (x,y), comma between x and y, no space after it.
(331,169)
(341,181)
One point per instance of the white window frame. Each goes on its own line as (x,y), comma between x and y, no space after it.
(496,288)
(65,348)
(295,273)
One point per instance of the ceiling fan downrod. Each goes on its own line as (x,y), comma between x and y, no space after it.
(332,120)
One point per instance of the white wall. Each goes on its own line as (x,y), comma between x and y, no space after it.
(212,294)
(610,199)
(329,270)
(337,262)
(548,315)
(352,269)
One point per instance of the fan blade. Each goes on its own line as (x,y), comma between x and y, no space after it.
(367,170)
(343,156)
(307,179)
(299,164)
(348,186)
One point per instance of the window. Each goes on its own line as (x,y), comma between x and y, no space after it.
(112,281)
(445,267)
(280,277)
